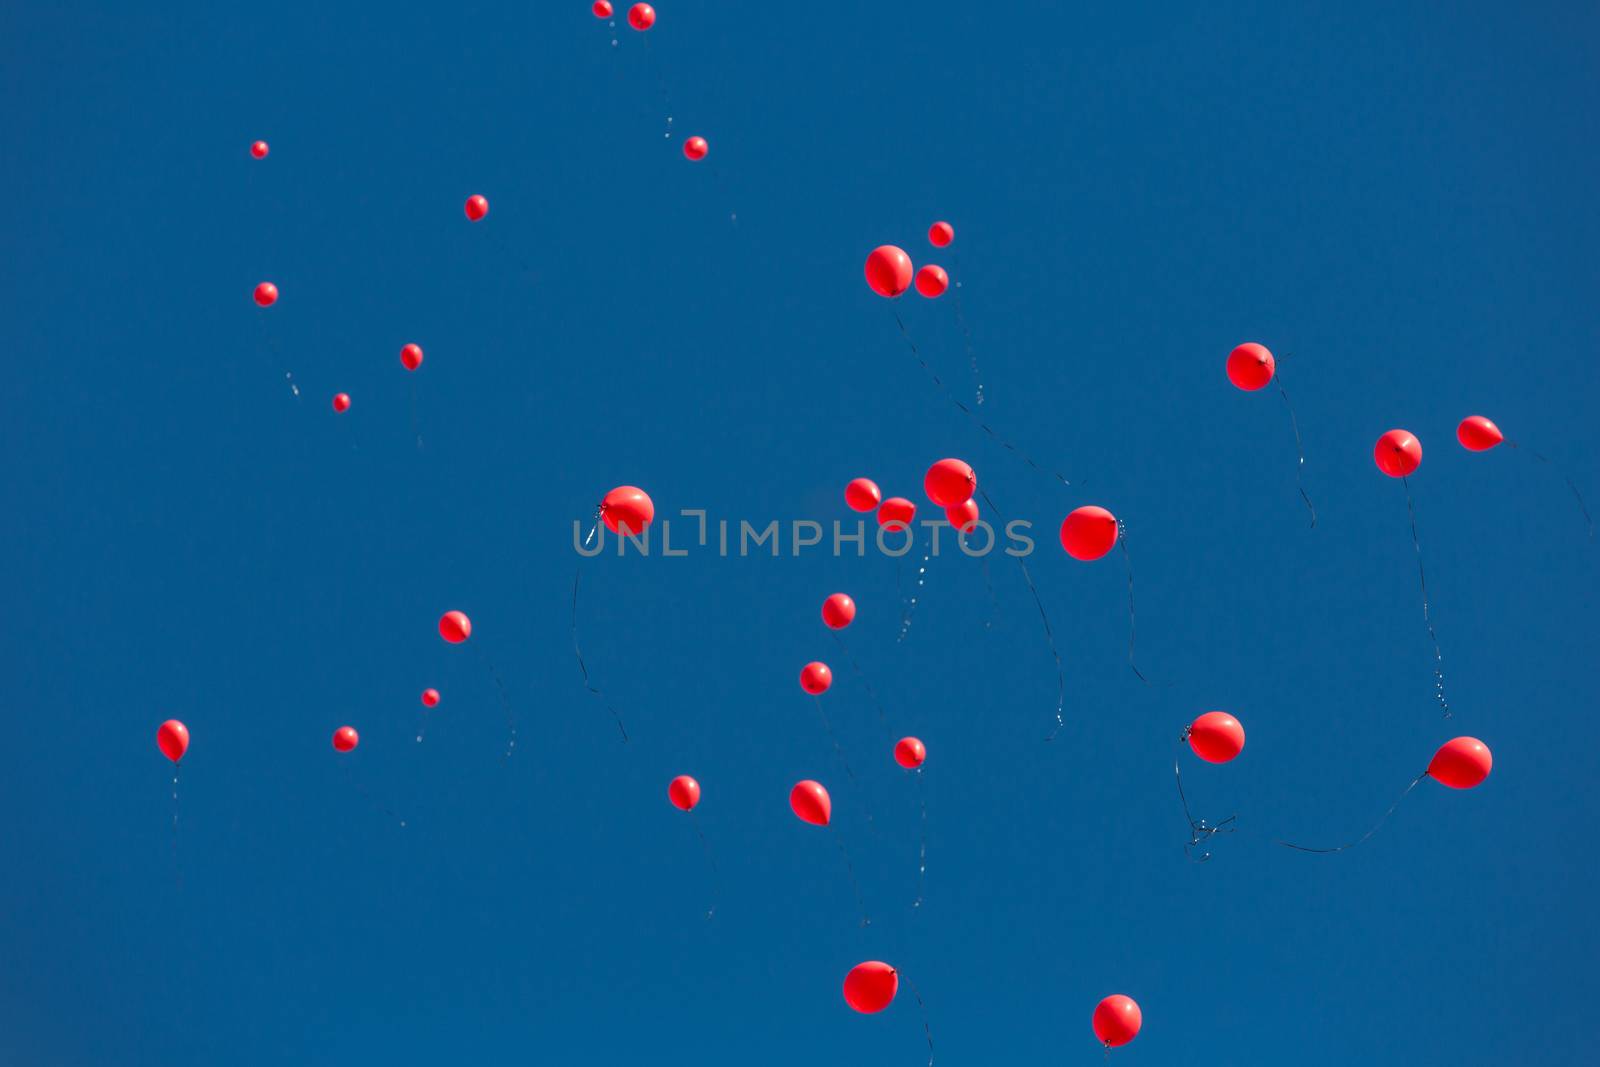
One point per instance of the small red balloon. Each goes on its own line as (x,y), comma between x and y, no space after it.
(932,281)
(896,513)
(477,207)
(1216,737)
(627,510)
(601,9)
(345,739)
(909,753)
(964,516)
(940,234)
(1398,453)
(811,802)
(695,148)
(1478,434)
(430,698)
(341,402)
(259,150)
(455,627)
(949,482)
(684,792)
(815,678)
(266,294)
(1250,366)
(1088,533)
(641,16)
(172,738)
(1117,1020)
(862,494)
(838,611)
(1461,763)
(870,987)
(411,357)
(888,271)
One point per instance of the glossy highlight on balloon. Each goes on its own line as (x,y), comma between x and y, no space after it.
(909,753)
(627,510)
(950,482)
(259,150)
(932,281)
(341,402)
(411,356)
(1088,533)
(476,207)
(888,271)
(940,234)
(1251,366)
(1478,434)
(455,627)
(641,17)
(266,294)
(871,986)
(1117,1020)
(811,802)
(838,611)
(896,513)
(1398,453)
(1216,737)
(862,494)
(1461,763)
(345,739)
(684,792)
(430,698)
(815,678)
(601,9)
(172,738)
(695,149)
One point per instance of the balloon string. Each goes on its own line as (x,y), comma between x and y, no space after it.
(968,412)
(1300,453)
(177,856)
(923,1008)
(1375,826)
(855,668)
(661,84)
(367,795)
(1200,831)
(1570,485)
(988,585)
(844,761)
(911,608)
(414,431)
(922,845)
(505,705)
(577,651)
(716,878)
(270,339)
(850,869)
(422,725)
(1422,579)
(1122,541)
(966,334)
(1049,634)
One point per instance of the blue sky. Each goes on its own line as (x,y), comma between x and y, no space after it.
(1402,201)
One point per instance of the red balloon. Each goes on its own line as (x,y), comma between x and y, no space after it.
(696,148)
(341,401)
(861,494)
(896,513)
(259,150)
(949,482)
(964,516)
(172,738)
(601,9)
(1250,366)
(1117,1020)
(1089,533)
(1461,763)
(909,753)
(477,207)
(641,16)
(889,271)
(1478,434)
(627,510)
(455,627)
(870,987)
(811,803)
(345,739)
(838,611)
(815,678)
(411,357)
(932,281)
(684,792)
(430,698)
(940,234)
(266,294)
(1398,453)
(1216,737)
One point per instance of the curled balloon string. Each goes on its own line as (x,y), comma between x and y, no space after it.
(1049,634)
(270,339)
(366,795)
(716,878)
(1570,485)
(855,668)
(969,413)
(922,1007)
(844,761)
(966,334)
(1300,451)
(1200,831)
(1422,579)
(911,606)
(922,844)
(177,859)
(850,869)
(661,83)
(1122,541)
(505,706)
(1363,838)
(578,651)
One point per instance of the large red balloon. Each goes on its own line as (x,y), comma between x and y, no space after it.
(871,986)
(862,494)
(815,678)
(1478,434)
(963,516)
(896,513)
(341,402)
(909,753)
(259,150)
(477,207)
(684,792)
(601,9)
(627,510)
(266,294)
(838,611)
(1089,533)
(950,482)
(889,271)
(940,234)
(1461,763)
(1398,453)
(430,698)
(1250,366)
(345,739)
(641,16)
(1216,737)
(455,627)
(695,148)
(1117,1020)
(172,738)
(411,357)
(932,281)
(811,802)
